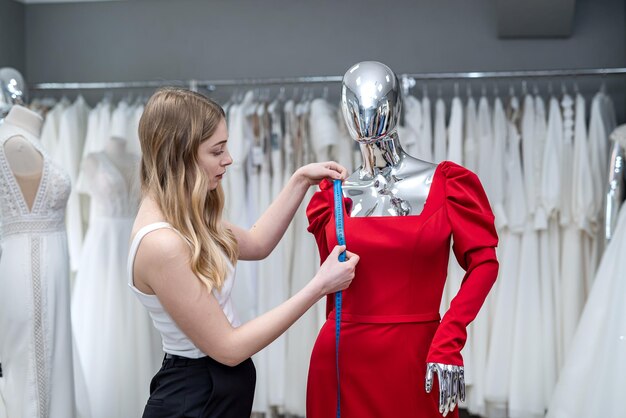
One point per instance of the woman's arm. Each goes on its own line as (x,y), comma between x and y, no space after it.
(258,242)
(162,262)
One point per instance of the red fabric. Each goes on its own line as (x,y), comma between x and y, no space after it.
(390,318)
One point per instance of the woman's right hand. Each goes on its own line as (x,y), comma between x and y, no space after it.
(335,275)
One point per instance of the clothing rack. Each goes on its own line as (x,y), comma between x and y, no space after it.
(408,80)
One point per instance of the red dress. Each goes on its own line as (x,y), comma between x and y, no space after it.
(390,323)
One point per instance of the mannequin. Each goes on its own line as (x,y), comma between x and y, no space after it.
(25,160)
(389,182)
(115,149)
(400,215)
(35,332)
(116,381)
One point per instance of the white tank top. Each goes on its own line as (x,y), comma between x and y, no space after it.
(174,340)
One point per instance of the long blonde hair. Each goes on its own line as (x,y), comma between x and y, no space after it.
(173,125)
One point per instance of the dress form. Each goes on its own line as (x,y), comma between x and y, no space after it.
(389,182)
(25,161)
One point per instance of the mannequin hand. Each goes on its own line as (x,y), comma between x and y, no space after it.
(451,385)
(315,172)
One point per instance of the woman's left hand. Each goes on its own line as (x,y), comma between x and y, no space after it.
(316,172)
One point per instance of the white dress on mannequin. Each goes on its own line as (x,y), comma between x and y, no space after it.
(117,347)
(35,332)
(592,381)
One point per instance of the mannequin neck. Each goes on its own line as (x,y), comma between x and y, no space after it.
(26,119)
(116,147)
(384,153)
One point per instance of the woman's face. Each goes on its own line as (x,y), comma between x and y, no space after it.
(213,155)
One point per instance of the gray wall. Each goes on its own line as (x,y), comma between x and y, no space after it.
(135,40)
(12,42)
(162,39)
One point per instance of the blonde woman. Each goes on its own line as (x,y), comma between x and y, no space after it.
(182,257)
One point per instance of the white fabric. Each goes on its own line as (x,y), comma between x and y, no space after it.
(455,132)
(527,397)
(50,132)
(426,136)
(72,130)
(499,367)
(592,380)
(573,261)
(440,136)
(548,271)
(470,146)
(528,151)
(120,119)
(484,144)
(133,144)
(497,169)
(173,339)
(35,332)
(413,121)
(550,195)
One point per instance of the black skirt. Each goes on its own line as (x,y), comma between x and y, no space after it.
(201,388)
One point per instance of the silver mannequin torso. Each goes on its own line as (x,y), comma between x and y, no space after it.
(389,182)
(398,187)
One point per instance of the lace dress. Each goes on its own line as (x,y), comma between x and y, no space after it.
(35,334)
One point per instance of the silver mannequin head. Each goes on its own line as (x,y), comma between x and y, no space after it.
(370,101)
(12,89)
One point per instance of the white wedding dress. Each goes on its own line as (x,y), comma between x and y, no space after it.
(118,349)
(592,380)
(35,334)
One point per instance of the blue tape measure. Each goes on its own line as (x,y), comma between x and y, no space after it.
(341,240)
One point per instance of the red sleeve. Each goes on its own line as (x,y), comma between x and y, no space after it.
(474,240)
(319,213)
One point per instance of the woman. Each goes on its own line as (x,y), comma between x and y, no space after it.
(181,262)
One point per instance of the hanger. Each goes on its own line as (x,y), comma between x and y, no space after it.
(469,90)
(456,89)
(524,88)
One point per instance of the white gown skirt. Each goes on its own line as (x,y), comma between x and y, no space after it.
(35,333)
(118,349)
(592,381)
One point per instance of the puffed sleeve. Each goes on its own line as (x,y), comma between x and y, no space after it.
(474,242)
(319,212)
